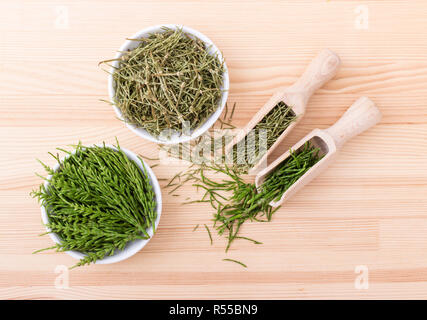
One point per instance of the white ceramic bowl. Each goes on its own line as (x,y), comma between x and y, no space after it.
(175,138)
(133,246)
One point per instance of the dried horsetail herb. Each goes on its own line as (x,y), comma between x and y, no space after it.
(97,201)
(170,81)
(274,123)
(196,148)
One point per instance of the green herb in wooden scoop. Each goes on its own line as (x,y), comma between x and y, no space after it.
(274,124)
(236,261)
(291,169)
(97,201)
(168,81)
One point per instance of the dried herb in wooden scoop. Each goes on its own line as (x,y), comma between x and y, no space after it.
(247,152)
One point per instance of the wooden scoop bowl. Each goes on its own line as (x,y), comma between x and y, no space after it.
(362,115)
(321,69)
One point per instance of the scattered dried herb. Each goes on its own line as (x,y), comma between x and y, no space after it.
(97,201)
(249,239)
(168,81)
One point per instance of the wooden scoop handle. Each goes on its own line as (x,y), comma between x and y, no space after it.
(362,115)
(321,69)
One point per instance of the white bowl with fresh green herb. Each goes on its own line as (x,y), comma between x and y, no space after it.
(131,247)
(176,136)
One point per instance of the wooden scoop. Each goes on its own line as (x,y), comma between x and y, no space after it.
(362,115)
(323,68)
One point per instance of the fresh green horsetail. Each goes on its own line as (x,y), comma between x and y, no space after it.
(170,81)
(290,170)
(97,201)
(209,233)
(235,201)
(236,261)
(273,124)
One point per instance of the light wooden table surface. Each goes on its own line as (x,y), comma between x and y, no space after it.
(367,213)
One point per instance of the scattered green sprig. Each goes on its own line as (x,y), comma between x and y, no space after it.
(209,233)
(236,261)
(291,169)
(234,201)
(97,201)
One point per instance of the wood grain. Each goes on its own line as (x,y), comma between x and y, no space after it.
(369,208)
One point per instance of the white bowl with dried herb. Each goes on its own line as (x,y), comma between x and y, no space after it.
(100,204)
(168,83)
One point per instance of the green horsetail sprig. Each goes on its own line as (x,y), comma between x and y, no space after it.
(274,123)
(235,201)
(97,201)
(169,81)
(291,169)
(236,261)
